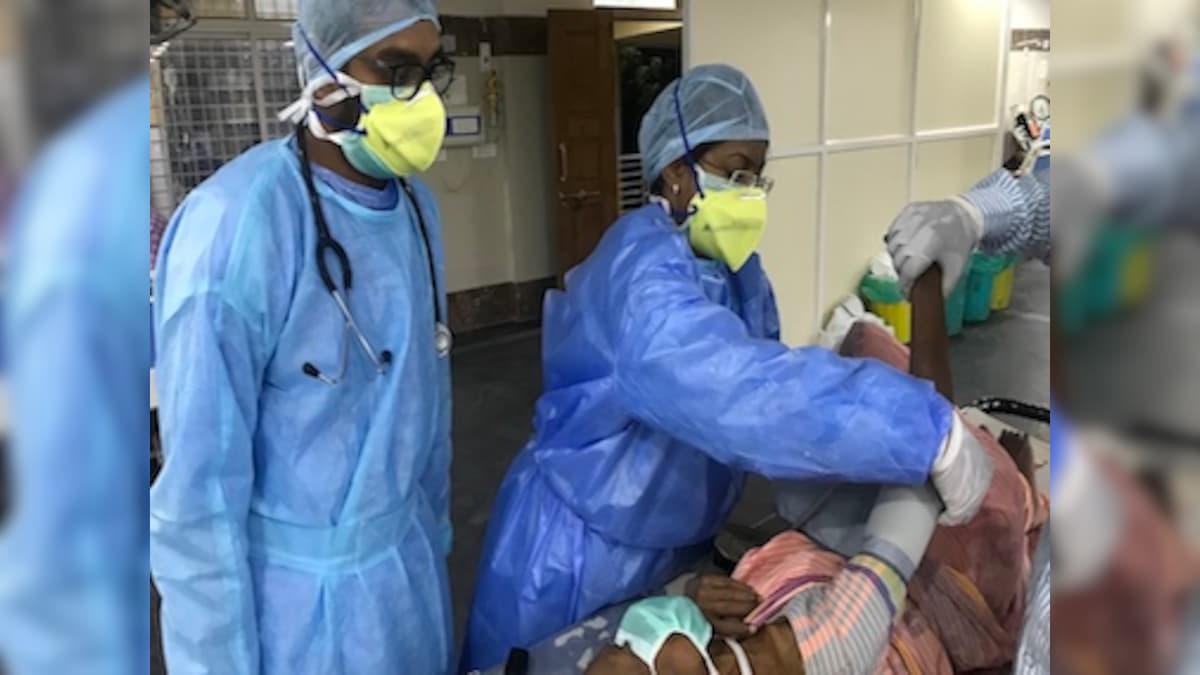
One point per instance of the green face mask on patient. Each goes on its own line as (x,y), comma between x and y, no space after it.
(648,624)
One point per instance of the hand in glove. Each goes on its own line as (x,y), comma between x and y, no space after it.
(943,232)
(962,473)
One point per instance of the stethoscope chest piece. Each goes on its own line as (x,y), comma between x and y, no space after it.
(443,339)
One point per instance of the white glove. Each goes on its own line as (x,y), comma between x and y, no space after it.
(943,232)
(1089,517)
(962,474)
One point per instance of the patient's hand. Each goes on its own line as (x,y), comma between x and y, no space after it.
(724,602)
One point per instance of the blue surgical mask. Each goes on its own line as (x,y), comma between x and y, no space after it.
(648,624)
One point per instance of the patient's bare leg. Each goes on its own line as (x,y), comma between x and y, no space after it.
(930,346)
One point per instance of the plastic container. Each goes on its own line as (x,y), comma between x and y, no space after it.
(1104,273)
(885,299)
(1071,307)
(980,281)
(1136,272)
(1002,285)
(956,306)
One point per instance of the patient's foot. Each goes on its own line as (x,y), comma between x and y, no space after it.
(1021,451)
(1159,489)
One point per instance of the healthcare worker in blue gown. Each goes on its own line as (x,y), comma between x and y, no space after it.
(300,522)
(665,381)
(73,591)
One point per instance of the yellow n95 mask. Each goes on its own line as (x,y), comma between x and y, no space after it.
(393,137)
(726,221)
(404,136)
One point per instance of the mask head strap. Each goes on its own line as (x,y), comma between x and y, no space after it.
(325,66)
(687,147)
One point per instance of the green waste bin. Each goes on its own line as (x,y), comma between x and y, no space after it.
(1002,285)
(956,305)
(1104,271)
(886,300)
(980,280)
(1071,306)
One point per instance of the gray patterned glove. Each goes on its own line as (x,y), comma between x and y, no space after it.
(942,232)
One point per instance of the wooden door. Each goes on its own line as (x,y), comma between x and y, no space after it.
(583,89)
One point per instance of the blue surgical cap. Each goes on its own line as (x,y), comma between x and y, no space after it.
(718,103)
(339,29)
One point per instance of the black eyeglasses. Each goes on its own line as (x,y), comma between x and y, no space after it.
(406,78)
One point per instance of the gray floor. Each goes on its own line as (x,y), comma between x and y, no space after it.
(496,384)
(495,388)
(1139,370)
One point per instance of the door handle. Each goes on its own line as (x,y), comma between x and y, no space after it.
(578,196)
(562,162)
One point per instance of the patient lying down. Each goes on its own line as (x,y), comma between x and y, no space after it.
(793,606)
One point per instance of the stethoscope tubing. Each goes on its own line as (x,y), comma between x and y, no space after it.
(327,243)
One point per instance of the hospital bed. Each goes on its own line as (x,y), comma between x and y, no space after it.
(572,649)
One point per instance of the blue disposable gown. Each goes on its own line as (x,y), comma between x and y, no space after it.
(73,572)
(665,381)
(298,527)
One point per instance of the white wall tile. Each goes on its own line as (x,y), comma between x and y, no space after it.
(870,68)
(949,167)
(777,45)
(865,190)
(789,248)
(958,62)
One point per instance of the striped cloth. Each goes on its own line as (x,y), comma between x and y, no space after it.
(841,611)
(961,611)
(842,619)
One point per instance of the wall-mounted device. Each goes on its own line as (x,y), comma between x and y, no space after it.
(464,126)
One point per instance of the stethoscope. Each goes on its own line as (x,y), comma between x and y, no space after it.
(326,243)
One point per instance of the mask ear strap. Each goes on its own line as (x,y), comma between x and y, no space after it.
(687,148)
(703,649)
(336,124)
(298,109)
(739,654)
